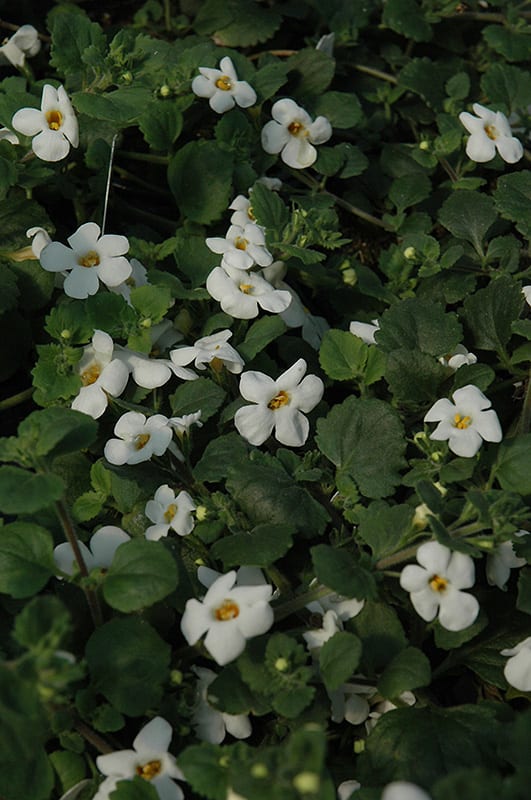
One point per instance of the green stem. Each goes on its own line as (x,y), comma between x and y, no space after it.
(16,399)
(489,16)
(376,73)
(301,601)
(92,737)
(152,159)
(167,15)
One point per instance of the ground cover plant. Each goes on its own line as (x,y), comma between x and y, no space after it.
(266,464)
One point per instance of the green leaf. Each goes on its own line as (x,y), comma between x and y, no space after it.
(342,109)
(409,190)
(508,87)
(161,124)
(514,45)
(43,618)
(513,199)
(70,768)
(26,559)
(314,69)
(406,17)
(339,570)
(218,457)
(355,435)
(409,669)
(134,789)
(56,431)
(384,528)
(128,663)
(427,78)
(355,162)
(523,602)
(201,394)
(490,311)
(205,770)
(229,694)
(9,292)
(513,465)
(237,23)
(151,302)
(381,634)
(342,355)
(261,547)
(22,492)
(141,574)
(269,209)
(72,35)
(418,325)
(414,377)
(122,107)
(268,80)
(339,658)
(200,178)
(468,215)
(260,334)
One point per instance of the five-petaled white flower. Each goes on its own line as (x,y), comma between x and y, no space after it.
(501,561)
(466,422)
(223,88)
(459,357)
(292,133)
(316,638)
(214,350)
(365,330)
(517,670)
(54,128)
(240,293)
(168,511)
(91,258)
(139,438)
(242,247)
(211,725)
(243,211)
(279,405)
(182,425)
(435,586)
(24,43)
(101,375)
(229,615)
(149,760)
(490,131)
(100,552)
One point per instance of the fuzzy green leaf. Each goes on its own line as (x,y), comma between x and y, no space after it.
(141,574)
(339,658)
(200,178)
(26,560)
(409,669)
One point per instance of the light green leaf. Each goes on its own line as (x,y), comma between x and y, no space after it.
(200,178)
(161,125)
(22,492)
(342,355)
(141,574)
(26,560)
(202,394)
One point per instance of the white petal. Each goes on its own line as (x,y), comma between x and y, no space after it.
(114,271)
(254,423)
(106,542)
(291,427)
(480,148)
(244,94)
(460,571)
(151,373)
(85,238)
(56,257)
(434,557)
(203,87)
(308,393)
(29,121)
(81,282)
(65,560)
(286,111)
(50,145)
(154,738)
(465,442)
(414,578)
(167,789)
(274,137)
(403,790)
(91,400)
(517,670)
(114,378)
(299,153)
(156,532)
(256,387)
(488,426)
(116,451)
(121,764)
(221,101)
(195,621)
(425,603)
(458,610)
(510,149)
(225,642)
(470,399)
(255,620)
(238,725)
(441,410)
(111,245)
(320,131)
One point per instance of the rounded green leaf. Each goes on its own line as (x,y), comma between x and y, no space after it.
(142,573)
(26,559)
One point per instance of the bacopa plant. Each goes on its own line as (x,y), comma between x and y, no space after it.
(266,400)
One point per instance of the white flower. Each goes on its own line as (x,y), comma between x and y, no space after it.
(138,277)
(168,511)
(139,438)
(466,422)
(182,425)
(39,239)
(315,639)
(435,586)
(223,88)
(242,247)
(8,136)
(346,788)
(526,291)
(517,670)
(245,576)
(54,128)
(365,330)
(229,615)
(24,42)
(91,258)
(501,561)
(403,790)
(384,706)
(351,703)
(149,372)
(296,314)
(100,552)
(490,131)
(101,375)
(459,357)
(243,212)
(292,133)
(149,760)
(326,45)
(345,608)
(240,293)
(212,725)
(213,350)
(279,405)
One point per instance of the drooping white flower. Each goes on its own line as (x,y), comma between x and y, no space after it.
(243,212)
(347,788)
(149,760)
(501,561)
(100,552)
(242,247)
(490,131)
(54,127)
(351,703)
(241,293)
(138,277)
(381,707)
(182,425)
(316,638)
(345,608)
(214,350)
(404,790)
(101,375)
(435,586)
(292,133)
(279,405)
(139,438)
(168,511)
(365,330)
(459,357)
(211,725)
(24,43)
(8,136)
(466,422)
(39,239)
(223,88)
(229,615)
(147,370)
(517,670)
(91,258)
(526,291)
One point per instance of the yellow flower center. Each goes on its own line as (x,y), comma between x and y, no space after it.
(224,83)
(246,288)
(216,364)
(90,375)
(150,770)
(227,610)
(250,214)
(438,584)
(461,422)
(491,132)
(297,128)
(141,440)
(90,259)
(240,243)
(170,513)
(54,119)
(279,400)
